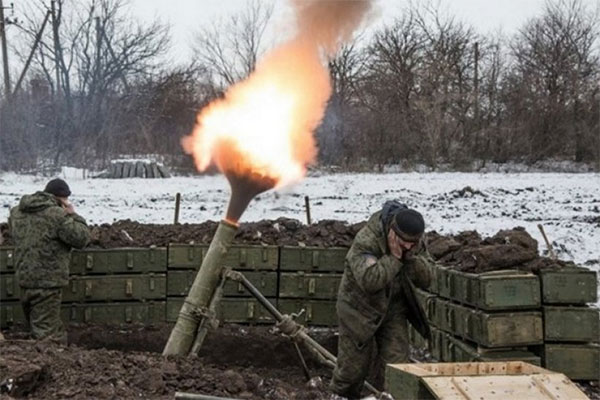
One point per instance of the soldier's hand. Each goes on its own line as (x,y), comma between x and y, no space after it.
(68,207)
(394,245)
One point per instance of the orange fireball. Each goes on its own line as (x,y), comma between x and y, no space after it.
(264,124)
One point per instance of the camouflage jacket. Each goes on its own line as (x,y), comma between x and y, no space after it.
(374,281)
(44,235)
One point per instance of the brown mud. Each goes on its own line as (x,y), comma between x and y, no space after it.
(103,362)
(282,231)
(125,362)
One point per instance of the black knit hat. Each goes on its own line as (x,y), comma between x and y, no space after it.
(408,224)
(58,187)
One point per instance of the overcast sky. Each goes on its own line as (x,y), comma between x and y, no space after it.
(185,16)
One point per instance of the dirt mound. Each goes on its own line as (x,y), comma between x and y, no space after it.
(467,251)
(282,231)
(240,362)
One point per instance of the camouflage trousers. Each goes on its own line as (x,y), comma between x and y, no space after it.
(42,312)
(354,365)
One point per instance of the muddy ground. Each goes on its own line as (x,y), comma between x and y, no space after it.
(103,362)
(126,363)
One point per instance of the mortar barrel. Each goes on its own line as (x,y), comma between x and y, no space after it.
(198,299)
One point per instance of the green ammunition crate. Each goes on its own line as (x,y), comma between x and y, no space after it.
(179,283)
(9,288)
(11,313)
(496,290)
(442,316)
(491,329)
(569,286)
(577,361)
(243,257)
(316,312)
(458,350)
(313,259)
(441,279)
(116,261)
(415,339)
(173,306)
(427,302)
(437,342)
(244,311)
(306,285)
(241,310)
(116,287)
(148,312)
(7,259)
(571,324)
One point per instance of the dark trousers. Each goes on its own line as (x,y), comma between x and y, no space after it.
(42,312)
(388,346)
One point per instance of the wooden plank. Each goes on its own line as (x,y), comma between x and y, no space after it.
(502,387)
(558,386)
(472,368)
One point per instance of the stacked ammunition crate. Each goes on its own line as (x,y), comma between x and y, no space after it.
(258,263)
(105,287)
(540,318)
(514,315)
(125,285)
(308,283)
(10,307)
(571,327)
(485,317)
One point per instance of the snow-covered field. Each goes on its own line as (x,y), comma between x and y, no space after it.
(567,205)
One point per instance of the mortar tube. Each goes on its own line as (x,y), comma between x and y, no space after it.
(199,297)
(205,323)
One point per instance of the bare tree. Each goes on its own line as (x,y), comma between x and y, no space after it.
(93,50)
(338,129)
(555,80)
(230,48)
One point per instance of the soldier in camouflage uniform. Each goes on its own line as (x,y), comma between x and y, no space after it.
(45,227)
(376,296)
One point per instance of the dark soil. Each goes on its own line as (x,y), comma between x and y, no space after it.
(507,249)
(282,231)
(126,363)
(466,251)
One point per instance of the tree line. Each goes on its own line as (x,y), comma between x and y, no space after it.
(426,88)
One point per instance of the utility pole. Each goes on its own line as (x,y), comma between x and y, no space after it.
(38,38)
(98,47)
(476,82)
(56,45)
(3,23)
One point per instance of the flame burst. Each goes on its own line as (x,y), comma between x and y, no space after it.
(260,133)
(263,126)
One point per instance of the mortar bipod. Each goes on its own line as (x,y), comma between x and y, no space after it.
(289,327)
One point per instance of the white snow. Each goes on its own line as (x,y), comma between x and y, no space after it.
(563,203)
